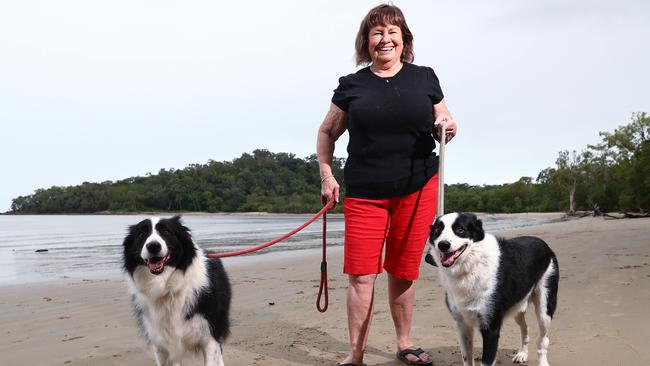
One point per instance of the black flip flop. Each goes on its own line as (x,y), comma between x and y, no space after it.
(401,355)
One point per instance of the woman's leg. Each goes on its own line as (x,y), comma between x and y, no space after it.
(360,299)
(366,226)
(411,217)
(401,297)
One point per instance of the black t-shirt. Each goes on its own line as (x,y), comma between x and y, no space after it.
(390,122)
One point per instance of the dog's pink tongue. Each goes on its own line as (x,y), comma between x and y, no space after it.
(448,259)
(155,266)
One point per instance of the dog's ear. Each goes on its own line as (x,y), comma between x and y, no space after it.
(130,236)
(132,244)
(435,230)
(176,220)
(476,228)
(181,230)
(134,231)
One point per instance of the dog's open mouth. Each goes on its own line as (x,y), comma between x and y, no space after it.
(449,258)
(156,264)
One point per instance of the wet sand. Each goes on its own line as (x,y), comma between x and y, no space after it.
(602,316)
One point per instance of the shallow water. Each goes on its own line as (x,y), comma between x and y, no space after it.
(82,246)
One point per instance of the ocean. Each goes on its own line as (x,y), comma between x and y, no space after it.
(37,248)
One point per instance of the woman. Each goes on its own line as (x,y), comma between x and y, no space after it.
(391,109)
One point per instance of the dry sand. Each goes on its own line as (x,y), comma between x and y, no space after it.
(603,315)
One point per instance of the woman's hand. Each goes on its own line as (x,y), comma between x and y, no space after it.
(443,117)
(450,127)
(329,187)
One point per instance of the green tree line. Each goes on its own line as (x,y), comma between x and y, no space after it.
(262,181)
(613,175)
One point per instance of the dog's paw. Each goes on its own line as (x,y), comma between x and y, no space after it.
(520,357)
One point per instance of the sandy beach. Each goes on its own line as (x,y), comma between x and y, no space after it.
(602,316)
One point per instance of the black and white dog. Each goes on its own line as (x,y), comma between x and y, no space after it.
(488,278)
(181,298)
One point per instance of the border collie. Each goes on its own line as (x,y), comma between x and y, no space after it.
(180,297)
(487,279)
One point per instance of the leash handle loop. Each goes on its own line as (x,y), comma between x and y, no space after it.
(322,289)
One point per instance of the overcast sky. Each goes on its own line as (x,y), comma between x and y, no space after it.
(105,90)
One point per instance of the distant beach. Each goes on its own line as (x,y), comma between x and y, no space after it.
(602,314)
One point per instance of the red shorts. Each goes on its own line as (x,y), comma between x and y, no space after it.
(401,222)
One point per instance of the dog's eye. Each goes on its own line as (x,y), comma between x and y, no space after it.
(141,234)
(460,231)
(164,232)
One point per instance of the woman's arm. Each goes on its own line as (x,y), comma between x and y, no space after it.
(330,130)
(442,116)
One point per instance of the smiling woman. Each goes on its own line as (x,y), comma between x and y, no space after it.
(389,20)
(392,110)
(386,43)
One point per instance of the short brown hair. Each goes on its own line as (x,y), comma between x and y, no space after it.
(383,14)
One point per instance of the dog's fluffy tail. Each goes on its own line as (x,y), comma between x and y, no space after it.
(552,287)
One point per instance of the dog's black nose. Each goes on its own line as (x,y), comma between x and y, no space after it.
(154,247)
(444,245)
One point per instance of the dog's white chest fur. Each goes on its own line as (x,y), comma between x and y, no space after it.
(165,300)
(472,281)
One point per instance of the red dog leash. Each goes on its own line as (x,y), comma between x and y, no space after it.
(323,266)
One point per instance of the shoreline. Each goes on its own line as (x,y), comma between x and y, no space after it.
(247,213)
(602,310)
(166,213)
(60,260)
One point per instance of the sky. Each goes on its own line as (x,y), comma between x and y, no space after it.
(92,91)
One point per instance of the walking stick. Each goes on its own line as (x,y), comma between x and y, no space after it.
(441,173)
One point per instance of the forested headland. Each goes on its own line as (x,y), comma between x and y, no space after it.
(613,175)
